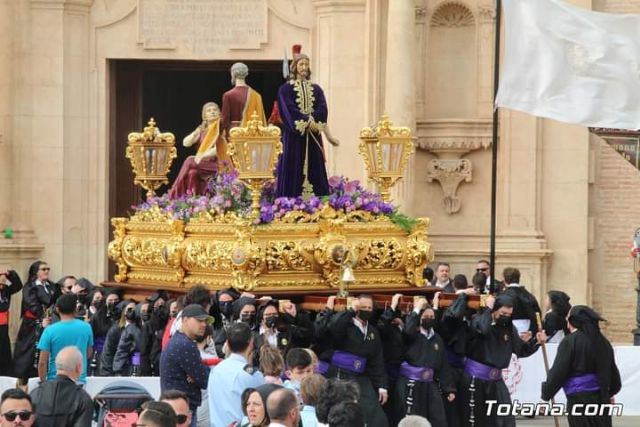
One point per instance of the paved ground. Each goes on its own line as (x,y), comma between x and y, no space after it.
(548,422)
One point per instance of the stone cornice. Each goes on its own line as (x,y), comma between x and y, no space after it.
(453,135)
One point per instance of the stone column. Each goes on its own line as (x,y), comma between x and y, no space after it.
(400,83)
(338,66)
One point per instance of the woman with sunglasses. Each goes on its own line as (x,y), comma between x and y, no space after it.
(38,295)
(254,405)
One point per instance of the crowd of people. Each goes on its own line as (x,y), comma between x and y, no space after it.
(232,359)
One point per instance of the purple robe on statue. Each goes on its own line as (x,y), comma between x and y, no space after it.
(297,102)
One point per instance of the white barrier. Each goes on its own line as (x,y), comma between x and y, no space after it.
(524,377)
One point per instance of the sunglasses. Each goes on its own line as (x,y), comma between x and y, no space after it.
(478,270)
(45,269)
(11,415)
(181,419)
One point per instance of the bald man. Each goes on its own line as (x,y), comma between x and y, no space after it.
(61,401)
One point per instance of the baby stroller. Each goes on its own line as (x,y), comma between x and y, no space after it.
(118,403)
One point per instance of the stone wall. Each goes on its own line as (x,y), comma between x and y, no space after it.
(615,209)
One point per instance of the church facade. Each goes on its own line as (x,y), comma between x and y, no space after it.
(566,205)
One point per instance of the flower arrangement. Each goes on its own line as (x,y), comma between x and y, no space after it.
(225,193)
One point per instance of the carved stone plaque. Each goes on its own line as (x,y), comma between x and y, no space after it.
(202,27)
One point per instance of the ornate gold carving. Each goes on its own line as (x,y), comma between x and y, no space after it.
(452,14)
(304,254)
(386,150)
(254,150)
(151,153)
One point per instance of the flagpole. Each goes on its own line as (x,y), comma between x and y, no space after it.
(494,147)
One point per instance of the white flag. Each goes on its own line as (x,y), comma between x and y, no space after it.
(571,64)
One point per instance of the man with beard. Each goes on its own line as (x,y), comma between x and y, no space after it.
(584,367)
(358,356)
(303,109)
(180,365)
(37,298)
(10,283)
(493,339)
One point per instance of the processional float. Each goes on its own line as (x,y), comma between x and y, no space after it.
(316,249)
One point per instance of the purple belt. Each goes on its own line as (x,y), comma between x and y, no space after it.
(135,359)
(454,359)
(98,344)
(348,362)
(417,373)
(482,371)
(581,384)
(322,367)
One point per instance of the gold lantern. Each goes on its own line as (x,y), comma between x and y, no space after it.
(386,150)
(254,150)
(151,154)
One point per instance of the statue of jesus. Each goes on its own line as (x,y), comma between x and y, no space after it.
(303,109)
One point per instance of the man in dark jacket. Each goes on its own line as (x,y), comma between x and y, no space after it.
(61,402)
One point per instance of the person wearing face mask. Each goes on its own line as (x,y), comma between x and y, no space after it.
(175,307)
(359,356)
(453,327)
(493,339)
(245,309)
(424,370)
(100,323)
(391,324)
(126,361)
(112,338)
(584,367)
(223,311)
(152,331)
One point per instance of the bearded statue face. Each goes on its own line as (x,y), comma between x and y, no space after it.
(302,69)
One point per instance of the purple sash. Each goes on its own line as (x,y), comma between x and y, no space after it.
(454,359)
(322,367)
(349,362)
(98,344)
(482,371)
(135,359)
(581,384)
(417,373)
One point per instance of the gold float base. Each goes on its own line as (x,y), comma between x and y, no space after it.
(298,253)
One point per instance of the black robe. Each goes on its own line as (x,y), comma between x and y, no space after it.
(292,332)
(6,361)
(453,327)
(390,325)
(36,300)
(349,338)
(576,356)
(525,305)
(426,397)
(128,345)
(491,345)
(109,351)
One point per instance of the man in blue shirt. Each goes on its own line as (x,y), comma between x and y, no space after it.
(180,365)
(69,331)
(232,376)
